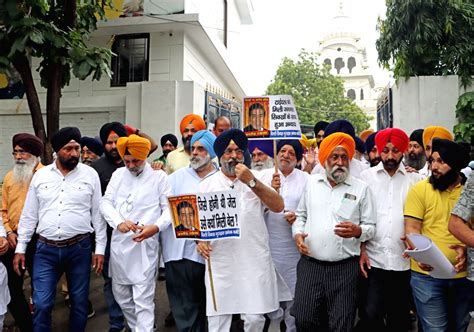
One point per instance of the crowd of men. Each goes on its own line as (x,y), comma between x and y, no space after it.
(324,225)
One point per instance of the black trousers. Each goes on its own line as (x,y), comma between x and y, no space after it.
(385,305)
(18,305)
(187,294)
(325,289)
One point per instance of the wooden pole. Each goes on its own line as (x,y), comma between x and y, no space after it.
(275,159)
(211,281)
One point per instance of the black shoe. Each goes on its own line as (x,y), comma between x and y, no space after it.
(169,320)
(90,310)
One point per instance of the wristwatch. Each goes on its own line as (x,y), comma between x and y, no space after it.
(252,183)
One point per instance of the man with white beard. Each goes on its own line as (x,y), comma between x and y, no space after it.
(27,150)
(262,154)
(185,268)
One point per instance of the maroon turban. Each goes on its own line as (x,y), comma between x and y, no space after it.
(395,136)
(28,142)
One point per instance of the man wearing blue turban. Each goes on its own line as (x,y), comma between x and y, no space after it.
(184,266)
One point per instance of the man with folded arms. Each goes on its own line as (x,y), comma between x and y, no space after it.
(62,206)
(335,214)
(135,205)
(441,304)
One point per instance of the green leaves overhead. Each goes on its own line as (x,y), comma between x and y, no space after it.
(420,37)
(318,95)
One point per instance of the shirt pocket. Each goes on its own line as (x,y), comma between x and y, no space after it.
(46,190)
(346,209)
(80,190)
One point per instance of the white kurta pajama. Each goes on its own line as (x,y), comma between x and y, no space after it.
(133,265)
(282,246)
(245,279)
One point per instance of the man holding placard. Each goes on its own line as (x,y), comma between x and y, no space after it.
(442,304)
(184,266)
(244,278)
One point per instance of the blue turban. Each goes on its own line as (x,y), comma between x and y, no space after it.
(92,144)
(265,145)
(207,139)
(370,142)
(295,144)
(360,145)
(340,126)
(223,141)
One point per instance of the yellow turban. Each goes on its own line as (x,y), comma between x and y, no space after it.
(307,143)
(365,133)
(435,132)
(137,146)
(331,142)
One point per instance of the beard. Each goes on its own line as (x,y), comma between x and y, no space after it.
(337,174)
(70,163)
(198,163)
(228,166)
(391,164)
(87,161)
(23,169)
(112,155)
(261,165)
(137,170)
(187,143)
(443,182)
(374,161)
(415,161)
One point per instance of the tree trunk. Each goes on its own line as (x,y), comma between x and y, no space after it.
(53,98)
(22,65)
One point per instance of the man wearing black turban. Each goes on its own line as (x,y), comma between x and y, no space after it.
(62,207)
(427,210)
(91,150)
(415,157)
(237,290)
(319,128)
(168,143)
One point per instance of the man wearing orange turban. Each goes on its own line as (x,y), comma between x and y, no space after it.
(135,206)
(365,133)
(434,132)
(190,124)
(331,198)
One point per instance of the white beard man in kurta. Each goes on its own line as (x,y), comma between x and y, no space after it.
(135,205)
(245,279)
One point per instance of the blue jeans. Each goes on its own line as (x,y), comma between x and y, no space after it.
(116,319)
(48,266)
(442,304)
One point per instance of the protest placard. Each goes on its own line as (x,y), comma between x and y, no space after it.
(271,117)
(205,216)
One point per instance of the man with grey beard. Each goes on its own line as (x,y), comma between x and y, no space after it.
(262,154)
(415,157)
(27,150)
(336,213)
(184,267)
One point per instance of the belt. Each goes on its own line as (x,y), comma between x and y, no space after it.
(64,243)
(342,261)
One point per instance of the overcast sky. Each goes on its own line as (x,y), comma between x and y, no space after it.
(283,27)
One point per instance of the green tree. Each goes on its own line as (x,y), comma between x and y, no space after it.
(317,94)
(420,37)
(55,31)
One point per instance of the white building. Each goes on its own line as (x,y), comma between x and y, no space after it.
(343,49)
(173,58)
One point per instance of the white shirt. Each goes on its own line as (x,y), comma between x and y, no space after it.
(245,279)
(355,168)
(322,207)
(385,249)
(182,181)
(60,207)
(285,255)
(142,199)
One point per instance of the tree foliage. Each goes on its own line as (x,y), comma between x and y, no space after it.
(464,130)
(317,94)
(420,37)
(56,32)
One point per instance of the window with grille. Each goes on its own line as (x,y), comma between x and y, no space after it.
(130,62)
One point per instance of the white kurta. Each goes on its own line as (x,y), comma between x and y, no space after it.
(245,279)
(141,199)
(282,246)
(4,292)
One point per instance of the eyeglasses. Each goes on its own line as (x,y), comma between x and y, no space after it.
(19,153)
(238,152)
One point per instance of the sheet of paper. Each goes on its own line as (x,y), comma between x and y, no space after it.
(428,253)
